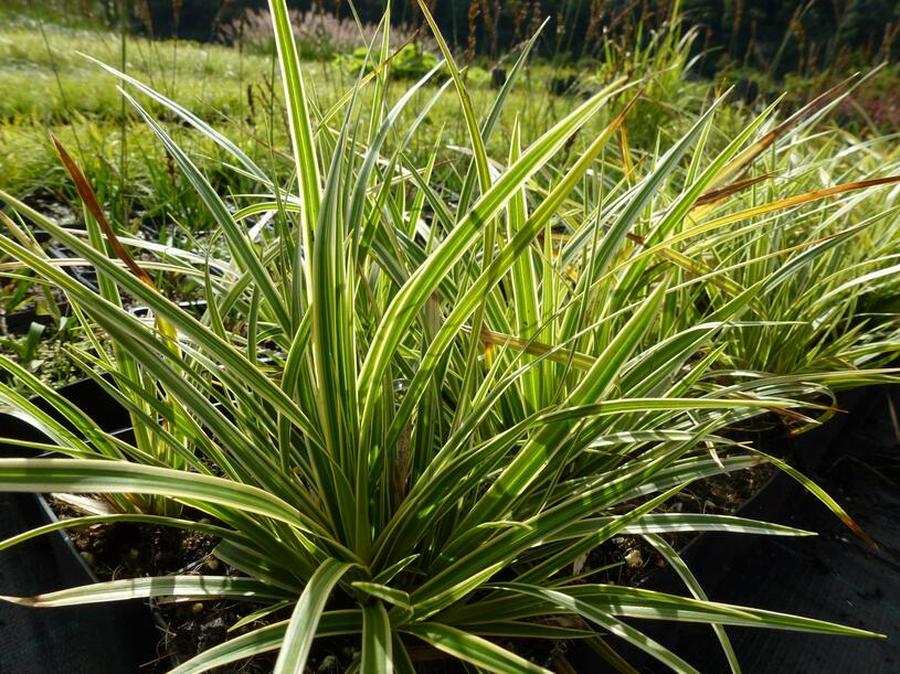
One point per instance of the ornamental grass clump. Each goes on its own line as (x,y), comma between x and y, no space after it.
(409,417)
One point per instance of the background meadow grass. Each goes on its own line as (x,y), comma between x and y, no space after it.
(48,87)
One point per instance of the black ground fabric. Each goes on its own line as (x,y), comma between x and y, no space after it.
(834,576)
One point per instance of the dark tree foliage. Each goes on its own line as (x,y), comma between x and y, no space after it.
(781,36)
(773,35)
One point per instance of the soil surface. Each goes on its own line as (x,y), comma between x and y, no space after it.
(139,550)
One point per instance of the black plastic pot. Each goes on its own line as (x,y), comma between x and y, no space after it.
(18,322)
(91,639)
(834,576)
(86,276)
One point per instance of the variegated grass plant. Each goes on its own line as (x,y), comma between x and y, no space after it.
(825,267)
(815,231)
(409,418)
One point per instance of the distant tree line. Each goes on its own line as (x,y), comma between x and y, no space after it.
(774,35)
(796,35)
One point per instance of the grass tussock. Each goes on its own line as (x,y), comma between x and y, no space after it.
(450,345)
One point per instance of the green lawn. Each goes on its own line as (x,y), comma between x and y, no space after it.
(47,86)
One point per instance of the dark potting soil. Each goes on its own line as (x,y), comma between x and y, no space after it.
(188,628)
(630,558)
(139,550)
(128,550)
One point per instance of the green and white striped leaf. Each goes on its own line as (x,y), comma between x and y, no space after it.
(473,649)
(303,625)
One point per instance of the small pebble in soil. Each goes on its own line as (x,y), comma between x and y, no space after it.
(329,664)
(197,608)
(633,558)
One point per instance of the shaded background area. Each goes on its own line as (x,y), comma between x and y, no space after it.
(774,36)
